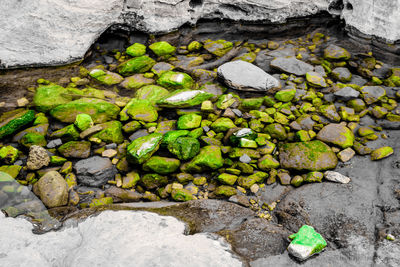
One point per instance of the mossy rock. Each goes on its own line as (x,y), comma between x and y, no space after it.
(381,153)
(311,156)
(83,122)
(11,170)
(313,177)
(161,165)
(141,110)
(218,47)
(276,130)
(184,147)
(75,149)
(247,133)
(48,97)
(136,50)
(151,93)
(182,195)
(162,48)
(171,136)
(136,65)
(248,181)
(194,46)
(225,191)
(111,133)
(222,125)
(209,158)
(285,95)
(100,110)
(336,134)
(268,162)
(227,179)
(136,81)
(97,202)
(68,133)
(189,121)
(12,121)
(153,180)
(334,52)
(142,148)
(252,103)
(315,79)
(105,77)
(175,80)
(8,154)
(184,98)
(33,139)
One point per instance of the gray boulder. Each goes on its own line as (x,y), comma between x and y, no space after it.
(95,171)
(52,190)
(291,65)
(244,76)
(347,93)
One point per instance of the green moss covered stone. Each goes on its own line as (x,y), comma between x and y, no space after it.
(209,158)
(161,165)
(136,50)
(136,65)
(285,95)
(8,154)
(222,124)
(48,97)
(336,134)
(142,148)
(111,133)
(83,122)
(184,147)
(105,77)
(12,121)
(382,152)
(268,162)
(75,149)
(189,121)
(141,110)
(175,80)
(162,48)
(218,47)
(306,242)
(153,180)
(151,93)
(181,195)
(184,98)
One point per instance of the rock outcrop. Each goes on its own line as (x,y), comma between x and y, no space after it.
(36,33)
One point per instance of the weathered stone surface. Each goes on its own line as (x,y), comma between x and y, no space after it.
(291,65)
(244,76)
(336,134)
(37,158)
(94,171)
(52,189)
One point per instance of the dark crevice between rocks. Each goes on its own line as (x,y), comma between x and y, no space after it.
(195,3)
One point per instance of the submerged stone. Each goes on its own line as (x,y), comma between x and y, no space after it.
(312,156)
(244,76)
(142,148)
(100,110)
(184,98)
(305,243)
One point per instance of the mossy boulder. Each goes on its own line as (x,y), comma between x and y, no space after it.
(136,65)
(248,181)
(140,109)
(330,112)
(336,134)
(222,125)
(311,156)
(83,122)
(68,133)
(382,152)
(184,147)
(285,95)
(171,136)
(48,97)
(33,139)
(8,154)
(189,121)
(142,148)
(194,46)
(111,133)
(252,103)
(313,177)
(334,52)
(181,195)
(227,179)
(52,189)
(151,93)
(153,180)
(225,191)
(136,81)
(175,80)
(209,158)
(268,162)
(75,149)
(218,47)
(162,48)
(105,77)
(136,50)
(372,94)
(161,165)
(315,79)
(184,98)
(100,110)
(276,130)
(12,121)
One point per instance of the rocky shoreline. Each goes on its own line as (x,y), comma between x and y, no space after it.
(262,129)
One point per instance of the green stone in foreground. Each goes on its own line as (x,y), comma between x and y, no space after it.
(184,98)
(141,110)
(189,121)
(181,195)
(161,165)
(162,48)
(305,243)
(382,152)
(184,147)
(136,65)
(136,50)
(141,149)
(209,158)
(12,121)
(50,96)
(175,80)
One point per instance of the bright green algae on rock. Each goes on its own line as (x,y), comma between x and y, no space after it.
(268,162)
(161,165)
(68,133)
(100,110)
(225,190)
(143,148)
(141,110)
(189,121)
(105,77)
(136,50)
(8,154)
(184,98)
(111,133)
(285,95)
(218,47)
(382,152)
(83,121)
(336,134)
(171,136)
(136,65)
(154,180)
(209,158)
(151,93)
(48,97)
(181,195)
(162,48)
(312,156)
(175,80)
(222,125)
(12,121)
(31,139)
(306,240)
(75,149)
(184,147)
(226,178)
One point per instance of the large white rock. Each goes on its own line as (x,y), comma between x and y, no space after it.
(123,238)
(44,32)
(244,76)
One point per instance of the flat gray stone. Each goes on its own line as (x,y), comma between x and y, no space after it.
(291,65)
(94,171)
(346,93)
(244,76)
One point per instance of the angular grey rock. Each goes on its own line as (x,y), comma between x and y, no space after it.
(245,158)
(37,158)
(95,171)
(291,65)
(54,143)
(342,74)
(372,94)
(244,76)
(336,177)
(346,93)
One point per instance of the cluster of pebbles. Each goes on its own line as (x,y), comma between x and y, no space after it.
(213,119)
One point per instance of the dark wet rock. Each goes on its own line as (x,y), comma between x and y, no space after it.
(346,93)
(291,65)
(313,156)
(95,171)
(123,195)
(244,76)
(52,189)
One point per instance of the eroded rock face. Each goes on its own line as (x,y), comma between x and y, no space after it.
(29,28)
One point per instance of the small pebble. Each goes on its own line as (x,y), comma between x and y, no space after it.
(109,153)
(245,158)
(254,188)
(336,177)
(22,102)
(54,143)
